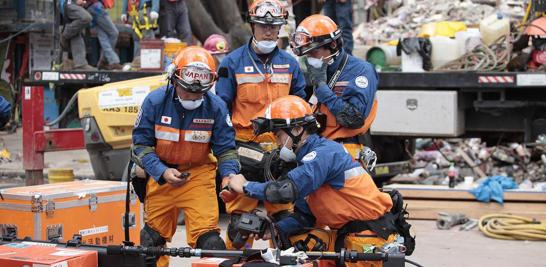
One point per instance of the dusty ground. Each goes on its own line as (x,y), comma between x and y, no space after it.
(434,247)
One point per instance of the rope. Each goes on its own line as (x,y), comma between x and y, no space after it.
(510,227)
(483,58)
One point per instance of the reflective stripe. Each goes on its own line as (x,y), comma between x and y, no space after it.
(280,78)
(249,79)
(167,136)
(356,171)
(341,84)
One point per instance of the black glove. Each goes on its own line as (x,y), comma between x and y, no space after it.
(316,75)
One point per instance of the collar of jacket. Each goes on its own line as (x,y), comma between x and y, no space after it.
(307,146)
(337,60)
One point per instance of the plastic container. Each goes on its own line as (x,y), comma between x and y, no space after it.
(60,175)
(383,56)
(444,50)
(151,55)
(493,27)
(468,40)
(412,62)
(170,51)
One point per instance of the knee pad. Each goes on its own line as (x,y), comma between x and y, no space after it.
(151,238)
(233,232)
(210,240)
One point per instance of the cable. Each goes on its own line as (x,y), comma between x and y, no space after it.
(19,32)
(413,263)
(65,110)
(511,227)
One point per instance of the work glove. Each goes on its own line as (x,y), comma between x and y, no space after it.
(154,15)
(316,75)
(123,18)
(226,194)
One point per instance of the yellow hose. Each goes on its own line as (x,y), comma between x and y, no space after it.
(510,227)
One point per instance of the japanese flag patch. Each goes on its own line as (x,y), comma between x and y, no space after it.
(249,69)
(361,81)
(166,119)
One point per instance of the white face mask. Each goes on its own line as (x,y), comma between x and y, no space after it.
(315,62)
(265,47)
(287,154)
(191,104)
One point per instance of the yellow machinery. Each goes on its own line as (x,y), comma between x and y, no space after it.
(107,115)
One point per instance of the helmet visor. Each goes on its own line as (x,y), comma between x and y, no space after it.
(195,78)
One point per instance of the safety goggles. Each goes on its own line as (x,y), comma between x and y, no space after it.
(301,42)
(195,79)
(268,13)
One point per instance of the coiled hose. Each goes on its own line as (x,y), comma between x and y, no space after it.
(511,227)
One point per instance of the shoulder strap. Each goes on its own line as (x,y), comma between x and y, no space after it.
(340,68)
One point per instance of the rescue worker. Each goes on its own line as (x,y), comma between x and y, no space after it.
(328,187)
(75,19)
(250,78)
(218,47)
(142,14)
(175,20)
(174,132)
(344,86)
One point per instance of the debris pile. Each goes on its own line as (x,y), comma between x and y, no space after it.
(471,159)
(407,20)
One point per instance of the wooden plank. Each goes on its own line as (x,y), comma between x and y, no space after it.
(444,192)
(428,209)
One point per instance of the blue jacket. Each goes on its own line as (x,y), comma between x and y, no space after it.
(239,62)
(5,111)
(158,111)
(356,86)
(154,3)
(333,189)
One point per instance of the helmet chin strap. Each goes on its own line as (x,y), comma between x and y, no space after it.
(295,139)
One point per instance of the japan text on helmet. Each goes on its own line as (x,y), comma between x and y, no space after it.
(216,44)
(195,70)
(313,32)
(285,113)
(270,12)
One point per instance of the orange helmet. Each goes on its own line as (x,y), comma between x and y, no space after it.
(285,112)
(270,12)
(195,70)
(537,27)
(313,32)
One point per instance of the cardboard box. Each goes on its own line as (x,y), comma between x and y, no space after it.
(92,208)
(45,255)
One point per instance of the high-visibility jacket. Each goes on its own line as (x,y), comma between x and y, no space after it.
(333,189)
(248,85)
(167,134)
